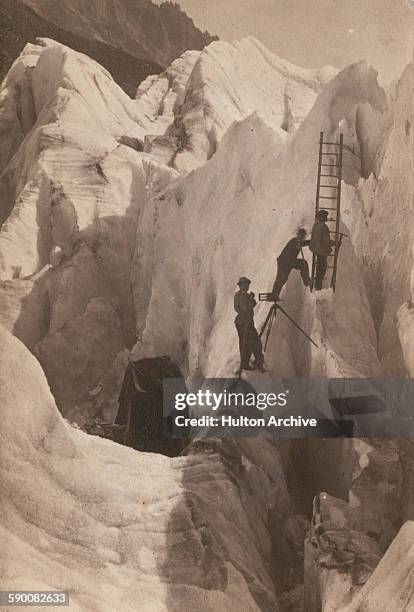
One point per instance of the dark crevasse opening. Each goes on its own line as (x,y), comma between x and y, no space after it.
(140,414)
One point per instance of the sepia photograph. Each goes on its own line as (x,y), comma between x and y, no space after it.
(207,305)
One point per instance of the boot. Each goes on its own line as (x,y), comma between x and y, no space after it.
(247,367)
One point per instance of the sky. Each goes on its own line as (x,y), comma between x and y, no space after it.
(312,33)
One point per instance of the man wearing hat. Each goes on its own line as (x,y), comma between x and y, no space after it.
(288,260)
(321,246)
(249,341)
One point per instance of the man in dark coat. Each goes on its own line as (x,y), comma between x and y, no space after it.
(321,245)
(288,260)
(249,341)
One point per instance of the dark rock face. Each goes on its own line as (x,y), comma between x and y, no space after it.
(138,27)
(19,25)
(141,406)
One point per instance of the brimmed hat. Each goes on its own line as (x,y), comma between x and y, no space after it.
(322,214)
(243,280)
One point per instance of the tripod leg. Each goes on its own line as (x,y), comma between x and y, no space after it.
(271,311)
(269,329)
(296,325)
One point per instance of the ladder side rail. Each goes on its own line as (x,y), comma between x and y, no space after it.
(338,215)
(318,187)
(318,183)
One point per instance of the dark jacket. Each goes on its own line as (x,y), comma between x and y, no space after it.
(291,252)
(141,407)
(320,242)
(244,304)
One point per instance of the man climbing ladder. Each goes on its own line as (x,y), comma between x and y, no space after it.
(321,246)
(327,210)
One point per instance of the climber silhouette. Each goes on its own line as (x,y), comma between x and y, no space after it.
(249,341)
(288,260)
(321,246)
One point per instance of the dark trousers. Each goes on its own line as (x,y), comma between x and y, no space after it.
(283,272)
(320,270)
(249,343)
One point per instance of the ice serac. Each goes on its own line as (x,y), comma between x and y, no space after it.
(231,217)
(159,95)
(227,83)
(382,222)
(122,516)
(391,585)
(80,115)
(72,187)
(159,98)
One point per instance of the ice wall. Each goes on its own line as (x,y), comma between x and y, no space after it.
(232,217)
(382,215)
(71,190)
(102,521)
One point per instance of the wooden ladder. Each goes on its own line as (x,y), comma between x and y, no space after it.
(328,190)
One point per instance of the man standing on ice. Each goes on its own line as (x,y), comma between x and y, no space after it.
(249,341)
(321,245)
(288,260)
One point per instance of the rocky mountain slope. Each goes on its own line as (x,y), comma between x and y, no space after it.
(19,24)
(110,243)
(139,27)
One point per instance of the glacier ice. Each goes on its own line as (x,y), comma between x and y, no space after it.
(125,225)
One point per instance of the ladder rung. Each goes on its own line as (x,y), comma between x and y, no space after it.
(329,186)
(330,165)
(323,153)
(331,175)
(327,208)
(330,267)
(328,197)
(337,144)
